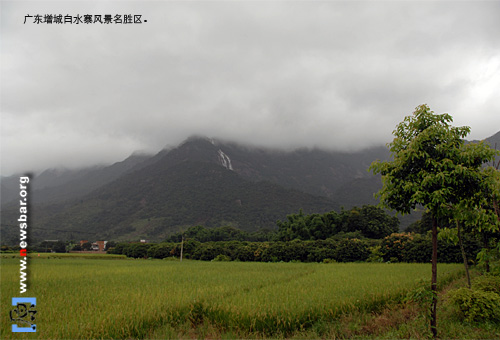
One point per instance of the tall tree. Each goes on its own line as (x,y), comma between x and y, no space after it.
(475,212)
(495,178)
(484,218)
(430,167)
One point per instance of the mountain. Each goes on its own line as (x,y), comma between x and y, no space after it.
(59,185)
(189,185)
(201,182)
(494,142)
(188,193)
(314,171)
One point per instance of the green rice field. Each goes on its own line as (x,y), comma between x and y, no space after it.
(85,298)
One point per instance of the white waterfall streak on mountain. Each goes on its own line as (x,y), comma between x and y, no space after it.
(225,160)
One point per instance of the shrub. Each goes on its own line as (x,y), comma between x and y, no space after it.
(392,246)
(492,257)
(476,305)
(418,250)
(375,254)
(423,296)
(351,251)
(487,283)
(208,251)
(245,253)
(160,251)
(409,247)
(171,258)
(222,257)
(138,250)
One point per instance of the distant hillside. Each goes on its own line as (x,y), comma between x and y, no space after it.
(315,171)
(494,142)
(143,205)
(201,182)
(59,185)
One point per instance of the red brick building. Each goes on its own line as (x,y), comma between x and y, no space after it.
(100,245)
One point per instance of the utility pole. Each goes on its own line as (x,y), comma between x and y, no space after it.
(182,245)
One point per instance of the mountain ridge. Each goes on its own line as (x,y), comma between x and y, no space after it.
(107,201)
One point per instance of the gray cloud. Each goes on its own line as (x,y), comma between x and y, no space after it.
(337,75)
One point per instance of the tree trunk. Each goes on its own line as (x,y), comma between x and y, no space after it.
(497,210)
(464,256)
(434,278)
(486,245)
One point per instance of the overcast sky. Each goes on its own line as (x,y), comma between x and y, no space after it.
(331,74)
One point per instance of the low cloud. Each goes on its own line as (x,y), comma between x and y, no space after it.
(335,75)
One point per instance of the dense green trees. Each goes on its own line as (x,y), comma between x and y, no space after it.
(423,225)
(87,246)
(370,221)
(49,246)
(367,221)
(59,247)
(345,250)
(411,247)
(359,234)
(226,233)
(397,247)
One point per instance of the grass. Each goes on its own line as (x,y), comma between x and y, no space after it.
(450,325)
(406,320)
(66,256)
(86,298)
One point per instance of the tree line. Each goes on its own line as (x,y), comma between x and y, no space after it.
(368,221)
(359,234)
(397,247)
